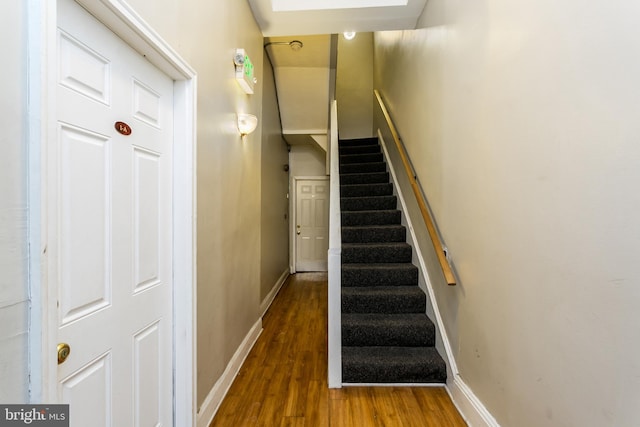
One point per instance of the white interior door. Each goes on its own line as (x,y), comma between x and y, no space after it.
(312,224)
(110,227)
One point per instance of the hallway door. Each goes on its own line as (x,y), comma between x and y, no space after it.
(111,228)
(312,224)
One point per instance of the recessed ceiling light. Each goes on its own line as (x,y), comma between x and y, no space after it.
(349,35)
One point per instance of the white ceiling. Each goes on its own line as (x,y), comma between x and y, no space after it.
(285,5)
(289,17)
(315,52)
(303,76)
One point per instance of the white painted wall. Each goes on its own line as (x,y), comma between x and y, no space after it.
(13,204)
(307,160)
(522,121)
(354,86)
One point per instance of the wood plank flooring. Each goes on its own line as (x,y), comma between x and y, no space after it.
(283,381)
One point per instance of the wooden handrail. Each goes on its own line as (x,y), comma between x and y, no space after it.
(435,239)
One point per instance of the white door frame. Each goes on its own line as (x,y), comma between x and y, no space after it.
(42,76)
(293,214)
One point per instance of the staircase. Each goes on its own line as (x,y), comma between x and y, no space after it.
(386,334)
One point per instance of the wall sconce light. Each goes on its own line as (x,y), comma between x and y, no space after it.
(349,35)
(247,123)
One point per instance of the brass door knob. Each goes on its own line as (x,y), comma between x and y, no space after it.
(298,231)
(63,352)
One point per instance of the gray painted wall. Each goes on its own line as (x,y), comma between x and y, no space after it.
(307,160)
(354,86)
(275,188)
(521,120)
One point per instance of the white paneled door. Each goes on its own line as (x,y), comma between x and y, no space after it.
(110,227)
(312,224)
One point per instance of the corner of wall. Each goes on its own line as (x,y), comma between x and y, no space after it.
(266,303)
(468,404)
(215,397)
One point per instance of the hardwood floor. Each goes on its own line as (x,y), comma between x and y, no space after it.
(283,381)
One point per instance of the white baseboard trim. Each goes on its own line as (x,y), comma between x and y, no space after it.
(468,404)
(274,292)
(219,391)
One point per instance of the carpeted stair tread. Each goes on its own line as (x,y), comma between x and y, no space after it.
(376,217)
(377,252)
(359,149)
(363,167)
(364,178)
(390,329)
(368,203)
(387,274)
(374,233)
(383,299)
(368,189)
(358,141)
(360,158)
(392,365)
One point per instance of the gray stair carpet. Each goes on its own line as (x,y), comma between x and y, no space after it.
(386,334)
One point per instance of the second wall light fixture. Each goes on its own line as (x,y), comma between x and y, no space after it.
(247,123)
